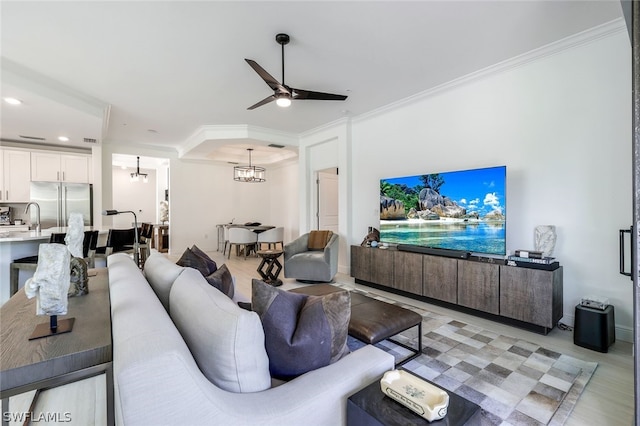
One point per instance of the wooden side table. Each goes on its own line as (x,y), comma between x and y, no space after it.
(160,234)
(268,263)
(57,360)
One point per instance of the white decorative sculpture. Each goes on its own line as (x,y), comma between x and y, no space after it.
(74,240)
(545,239)
(75,234)
(50,282)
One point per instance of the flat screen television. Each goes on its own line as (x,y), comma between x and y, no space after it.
(461,210)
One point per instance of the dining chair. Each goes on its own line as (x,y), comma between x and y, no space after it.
(30,263)
(118,240)
(272,237)
(226,240)
(244,238)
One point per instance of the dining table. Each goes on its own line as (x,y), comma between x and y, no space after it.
(252,227)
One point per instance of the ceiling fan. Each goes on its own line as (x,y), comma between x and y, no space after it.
(283,94)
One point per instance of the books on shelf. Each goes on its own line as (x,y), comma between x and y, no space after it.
(546,263)
(531,254)
(532,265)
(543,260)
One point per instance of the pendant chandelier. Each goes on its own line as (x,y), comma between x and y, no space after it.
(249,173)
(135,177)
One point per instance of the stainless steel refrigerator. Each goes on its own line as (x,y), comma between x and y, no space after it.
(58,200)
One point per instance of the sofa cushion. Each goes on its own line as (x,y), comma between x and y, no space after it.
(211,264)
(222,280)
(302,333)
(318,239)
(191,259)
(226,341)
(160,272)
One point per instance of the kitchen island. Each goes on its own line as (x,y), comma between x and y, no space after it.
(18,244)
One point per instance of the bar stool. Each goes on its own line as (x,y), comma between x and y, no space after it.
(30,263)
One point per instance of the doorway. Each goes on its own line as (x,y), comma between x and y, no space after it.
(327,203)
(144,195)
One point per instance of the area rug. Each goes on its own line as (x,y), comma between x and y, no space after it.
(515,382)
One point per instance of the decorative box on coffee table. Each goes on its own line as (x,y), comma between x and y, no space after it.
(371,407)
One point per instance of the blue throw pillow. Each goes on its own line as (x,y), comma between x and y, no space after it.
(302,332)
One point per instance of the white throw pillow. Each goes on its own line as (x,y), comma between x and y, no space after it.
(226,341)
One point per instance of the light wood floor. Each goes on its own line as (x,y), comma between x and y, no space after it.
(607,399)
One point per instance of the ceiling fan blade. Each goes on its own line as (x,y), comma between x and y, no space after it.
(272,82)
(263,102)
(308,94)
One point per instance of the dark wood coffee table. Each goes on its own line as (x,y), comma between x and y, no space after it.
(57,360)
(371,407)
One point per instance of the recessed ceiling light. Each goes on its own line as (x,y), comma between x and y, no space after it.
(13,101)
(63,139)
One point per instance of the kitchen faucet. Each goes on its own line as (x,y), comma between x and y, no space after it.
(37,214)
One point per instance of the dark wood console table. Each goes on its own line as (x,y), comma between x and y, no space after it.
(57,360)
(527,298)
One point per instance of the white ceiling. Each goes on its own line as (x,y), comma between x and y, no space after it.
(173,74)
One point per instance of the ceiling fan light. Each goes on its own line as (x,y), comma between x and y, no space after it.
(283,102)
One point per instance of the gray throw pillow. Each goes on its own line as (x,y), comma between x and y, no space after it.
(302,333)
(211,264)
(190,259)
(222,280)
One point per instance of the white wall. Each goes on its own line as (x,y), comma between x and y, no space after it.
(327,147)
(562,126)
(203,195)
(138,196)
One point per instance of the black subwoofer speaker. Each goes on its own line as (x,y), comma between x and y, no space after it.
(594,328)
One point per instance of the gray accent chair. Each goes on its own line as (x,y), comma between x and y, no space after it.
(311,266)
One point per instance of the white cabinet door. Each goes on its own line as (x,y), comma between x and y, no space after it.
(74,168)
(45,166)
(54,167)
(3,194)
(16,167)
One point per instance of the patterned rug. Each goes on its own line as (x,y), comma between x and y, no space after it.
(514,382)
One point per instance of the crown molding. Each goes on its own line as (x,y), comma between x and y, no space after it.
(584,37)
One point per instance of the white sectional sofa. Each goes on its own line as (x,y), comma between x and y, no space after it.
(206,363)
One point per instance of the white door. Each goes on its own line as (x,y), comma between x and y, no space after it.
(328,200)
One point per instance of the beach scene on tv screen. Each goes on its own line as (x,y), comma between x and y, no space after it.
(460,210)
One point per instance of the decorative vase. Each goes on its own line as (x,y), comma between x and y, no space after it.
(545,239)
(79,277)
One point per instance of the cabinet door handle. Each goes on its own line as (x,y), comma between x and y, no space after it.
(63,176)
(57,175)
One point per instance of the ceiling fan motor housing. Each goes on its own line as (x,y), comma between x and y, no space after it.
(282,38)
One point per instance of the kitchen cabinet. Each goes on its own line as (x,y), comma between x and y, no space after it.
(15,176)
(59,167)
